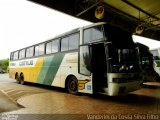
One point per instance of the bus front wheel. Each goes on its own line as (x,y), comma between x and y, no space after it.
(72,85)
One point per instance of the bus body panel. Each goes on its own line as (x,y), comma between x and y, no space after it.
(123,83)
(52,70)
(123,88)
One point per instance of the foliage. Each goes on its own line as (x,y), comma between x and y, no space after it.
(4,64)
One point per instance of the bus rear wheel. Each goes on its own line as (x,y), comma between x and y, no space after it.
(17,78)
(21,79)
(72,85)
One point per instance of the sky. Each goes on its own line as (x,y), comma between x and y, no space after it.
(24,23)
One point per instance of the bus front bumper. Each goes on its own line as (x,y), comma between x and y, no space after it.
(115,89)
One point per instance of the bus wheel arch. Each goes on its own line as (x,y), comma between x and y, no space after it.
(71,84)
(21,78)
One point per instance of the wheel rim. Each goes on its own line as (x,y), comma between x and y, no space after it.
(72,86)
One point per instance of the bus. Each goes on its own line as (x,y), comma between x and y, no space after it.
(148,73)
(156,57)
(98,58)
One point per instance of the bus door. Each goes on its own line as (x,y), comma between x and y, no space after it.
(92,60)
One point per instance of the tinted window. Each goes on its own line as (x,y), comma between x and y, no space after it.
(15,55)
(11,56)
(49,48)
(52,47)
(29,52)
(64,44)
(55,46)
(22,54)
(39,50)
(70,43)
(73,41)
(93,34)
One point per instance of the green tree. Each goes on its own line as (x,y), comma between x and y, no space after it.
(4,64)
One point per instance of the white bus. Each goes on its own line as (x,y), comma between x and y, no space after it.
(99,58)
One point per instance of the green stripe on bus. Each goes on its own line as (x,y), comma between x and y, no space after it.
(50,67)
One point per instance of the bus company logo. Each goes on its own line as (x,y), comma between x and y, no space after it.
(26,63)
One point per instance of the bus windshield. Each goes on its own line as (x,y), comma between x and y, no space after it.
(124,60)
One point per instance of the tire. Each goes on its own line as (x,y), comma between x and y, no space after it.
(72,85)
(22,79)
(17,78)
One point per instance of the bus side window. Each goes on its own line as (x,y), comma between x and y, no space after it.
(15,55)
(52,46)
(29,52)
(55,46)
(93,34)
(22,54)
(39,49)
(48,48)
(64,44)
(73,41)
